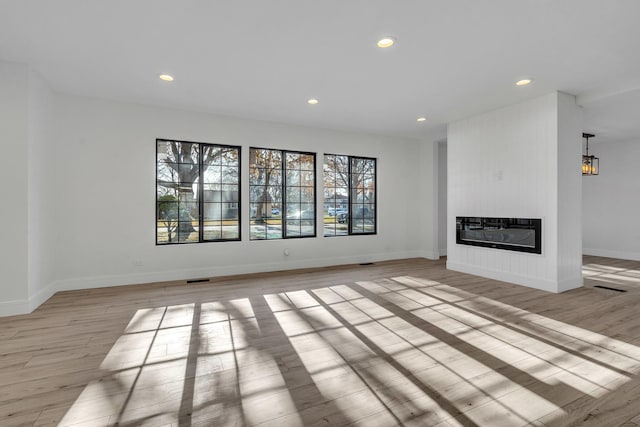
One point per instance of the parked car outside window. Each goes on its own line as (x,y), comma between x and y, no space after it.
(336,211)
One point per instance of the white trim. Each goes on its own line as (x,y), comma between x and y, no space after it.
(44,294)
(633,256)
(186,274)
(433,255)
(14,308)
(443,251)
(26,306)
(11,308)
(531,282)
(569,284)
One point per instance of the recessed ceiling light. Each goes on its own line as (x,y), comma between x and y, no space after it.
(166,77)
(523,82)
(312,101)
(421,119)
(386,42)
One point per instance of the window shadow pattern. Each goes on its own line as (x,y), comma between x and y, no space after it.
(402,350)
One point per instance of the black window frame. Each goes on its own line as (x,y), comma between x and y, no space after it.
(200,193)
(283,192)
(350,190)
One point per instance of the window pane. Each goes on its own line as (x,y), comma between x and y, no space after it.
(210,194)
(265,194)
(300,195)
(307,162)
(293,160)
(258,231)
(231,230)
(308,211)
(349,190)
(293,227)
(179,189)
(336,193)
(212,211)
(276,193)
(362,191)
(230,174)
(307,178)
(213,174)
(293,177)
(212,231)
(307,195)
(293,196)
(371,195)
(177,152)
(211,155)
(307,229)
(185,231)
(231,189)
(229,156)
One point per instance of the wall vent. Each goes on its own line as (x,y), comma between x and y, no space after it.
(611,289)
(197,281)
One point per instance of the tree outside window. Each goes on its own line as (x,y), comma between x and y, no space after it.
(282,194)
(349,195)
(197,192)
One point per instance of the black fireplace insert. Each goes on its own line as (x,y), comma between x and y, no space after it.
(513,234)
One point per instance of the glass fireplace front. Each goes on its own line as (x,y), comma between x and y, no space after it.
(513,234)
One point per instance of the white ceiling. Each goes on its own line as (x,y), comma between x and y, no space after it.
(262,59)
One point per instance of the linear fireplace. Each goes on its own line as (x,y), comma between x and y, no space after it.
(512,234)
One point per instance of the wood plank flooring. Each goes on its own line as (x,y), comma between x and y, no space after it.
(395,343)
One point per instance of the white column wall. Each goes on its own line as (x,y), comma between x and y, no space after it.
(13,191)
(42,193)
(442,198)
(506,163)
(426,197)
(569,193)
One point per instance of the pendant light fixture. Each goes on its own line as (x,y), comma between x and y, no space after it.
(590,164)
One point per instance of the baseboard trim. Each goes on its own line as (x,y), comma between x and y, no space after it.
(26,306)
(632,256)
(43,295)
(17,307)
(569,284)
(531,282)
(434,255)
(187,274)
(14,308)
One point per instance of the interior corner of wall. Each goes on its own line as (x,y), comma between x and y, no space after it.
(433,255)
(42,296)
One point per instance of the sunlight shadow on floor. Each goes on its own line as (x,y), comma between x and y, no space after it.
(398,351)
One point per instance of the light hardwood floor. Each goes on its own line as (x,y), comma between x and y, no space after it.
(396,343)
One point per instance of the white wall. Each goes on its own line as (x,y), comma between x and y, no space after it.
(611,201)
(424,205)
(26,248)
(42,247)
(505,163)
(13,191)
(105,157)
(569,186)
(442,198)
